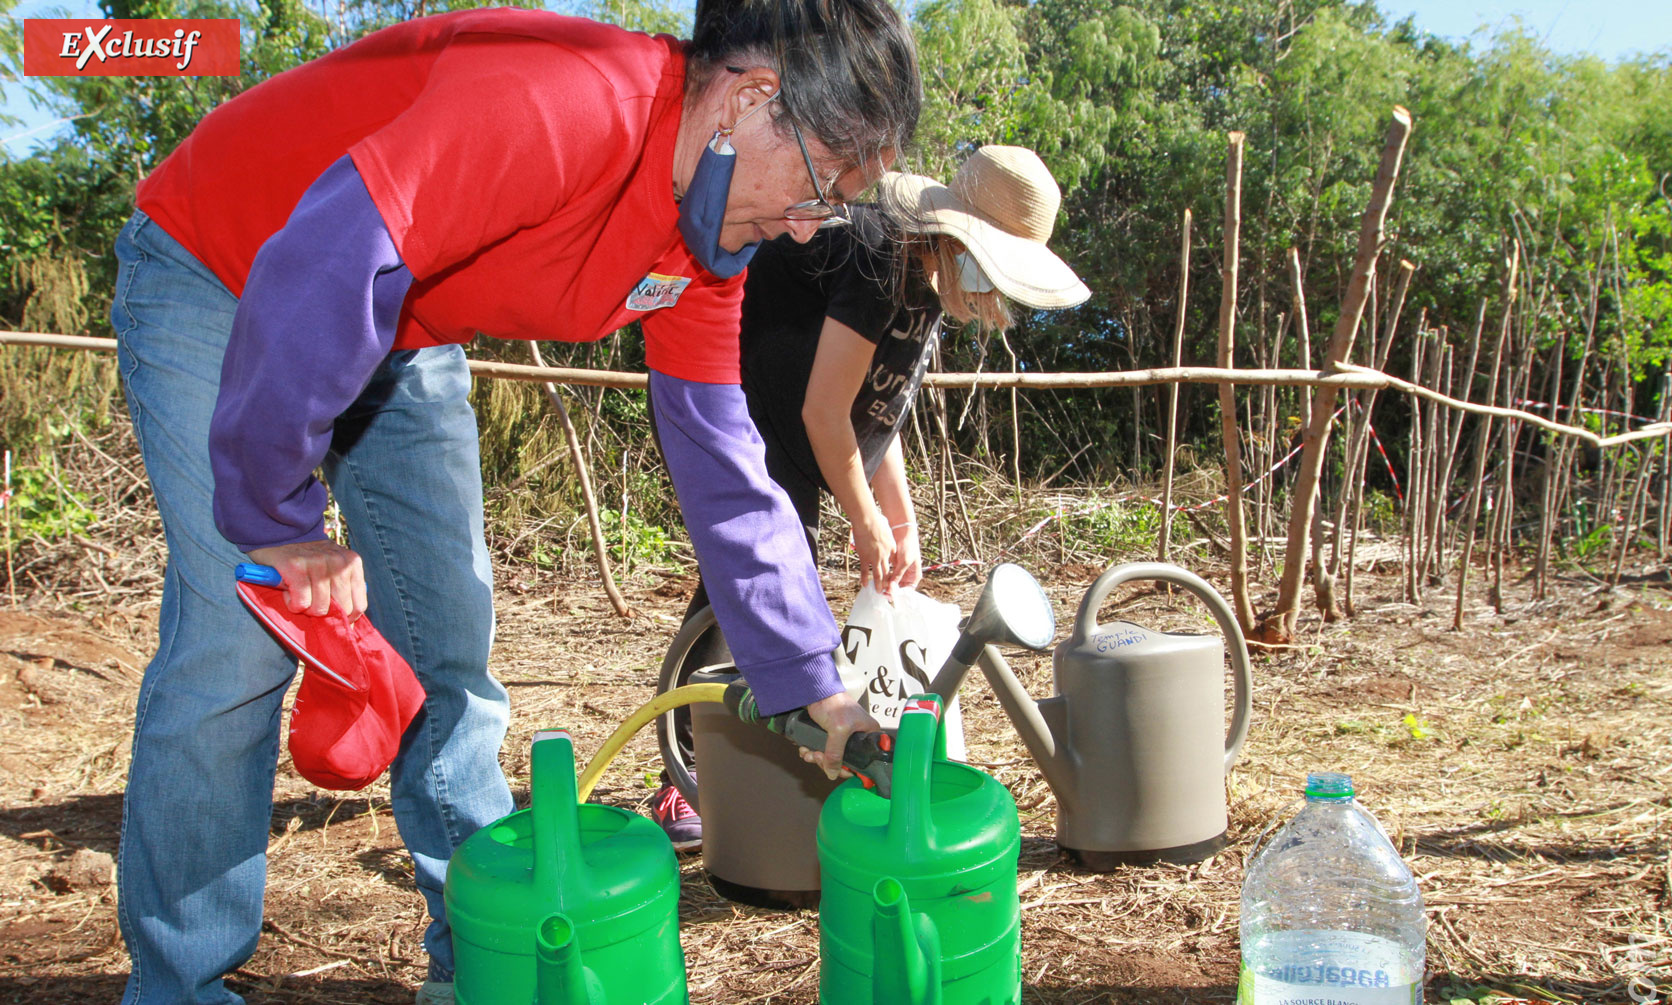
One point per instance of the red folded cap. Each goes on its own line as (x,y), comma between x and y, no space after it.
(357,695)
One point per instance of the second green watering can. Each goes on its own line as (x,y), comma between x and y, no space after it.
(920,904)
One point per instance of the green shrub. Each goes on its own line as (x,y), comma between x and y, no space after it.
(42,507)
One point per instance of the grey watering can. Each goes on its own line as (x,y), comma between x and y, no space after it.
(1133,743)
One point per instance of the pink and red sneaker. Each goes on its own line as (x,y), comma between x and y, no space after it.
(669,809)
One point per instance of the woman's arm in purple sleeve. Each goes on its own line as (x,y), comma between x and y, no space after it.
(750,544)
(317,317)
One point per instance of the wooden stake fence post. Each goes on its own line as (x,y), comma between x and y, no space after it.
(1644,467)
(598,547)
(1227,392)
(1433,463)
(1173,391)
(1414,494)
(1323,584)
(1280,626)
(1485,437)
(1015,425)
(1406,271)
(1270,446)
(1500,533)
(1558,476)
(937,397)
(1664,531)
(6,518)
(1305,333)
(1463,389)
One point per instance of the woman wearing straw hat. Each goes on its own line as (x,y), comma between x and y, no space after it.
(838,333)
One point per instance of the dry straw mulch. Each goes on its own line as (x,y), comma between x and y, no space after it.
(1520,764)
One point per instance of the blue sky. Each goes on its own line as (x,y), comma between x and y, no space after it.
(1610,28)
(1613,29)
(37,127)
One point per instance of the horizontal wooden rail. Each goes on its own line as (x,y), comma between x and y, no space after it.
(61,341)
(480,368)
(1345,375)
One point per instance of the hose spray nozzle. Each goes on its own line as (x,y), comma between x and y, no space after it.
(870,756)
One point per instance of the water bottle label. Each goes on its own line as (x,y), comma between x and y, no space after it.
(1328,968)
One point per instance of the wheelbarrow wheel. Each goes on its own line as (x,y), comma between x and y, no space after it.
(698,645)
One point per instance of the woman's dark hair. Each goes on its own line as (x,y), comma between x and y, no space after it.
(847,68)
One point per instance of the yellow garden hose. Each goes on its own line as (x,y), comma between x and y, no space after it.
(690,694)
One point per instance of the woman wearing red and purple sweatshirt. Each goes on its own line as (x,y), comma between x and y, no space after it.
(293,293)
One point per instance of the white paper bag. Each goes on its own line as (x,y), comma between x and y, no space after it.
(891,651)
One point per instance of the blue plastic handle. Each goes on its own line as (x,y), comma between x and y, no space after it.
(260,575)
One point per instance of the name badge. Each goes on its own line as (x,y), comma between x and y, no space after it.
(656,291)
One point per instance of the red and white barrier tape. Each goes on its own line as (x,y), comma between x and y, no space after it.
(1397,491)
(955,563)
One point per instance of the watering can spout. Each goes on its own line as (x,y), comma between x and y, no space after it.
(1014,610)
(907,951)
(1056,754)
(560,978)
(1043,726)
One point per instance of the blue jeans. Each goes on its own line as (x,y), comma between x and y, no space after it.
(404,471)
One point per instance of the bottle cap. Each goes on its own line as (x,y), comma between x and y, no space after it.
(1329,785)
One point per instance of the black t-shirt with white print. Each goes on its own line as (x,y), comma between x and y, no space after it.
(851,274)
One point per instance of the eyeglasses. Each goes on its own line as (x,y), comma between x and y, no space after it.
(820,208)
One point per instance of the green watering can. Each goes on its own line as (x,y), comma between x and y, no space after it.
(565,904)
(920,904)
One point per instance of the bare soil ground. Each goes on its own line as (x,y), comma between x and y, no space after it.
(1521,765)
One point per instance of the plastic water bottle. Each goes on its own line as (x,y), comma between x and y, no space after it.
(1331,915)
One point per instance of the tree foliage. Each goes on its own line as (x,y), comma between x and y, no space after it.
(1128,102)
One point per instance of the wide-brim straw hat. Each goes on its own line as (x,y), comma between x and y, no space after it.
(1001,205)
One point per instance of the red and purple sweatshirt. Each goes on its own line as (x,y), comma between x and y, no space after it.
(507,172)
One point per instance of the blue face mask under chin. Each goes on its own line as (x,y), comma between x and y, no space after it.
(702,212)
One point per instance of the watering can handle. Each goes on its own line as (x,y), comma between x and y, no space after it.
(1085,626)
